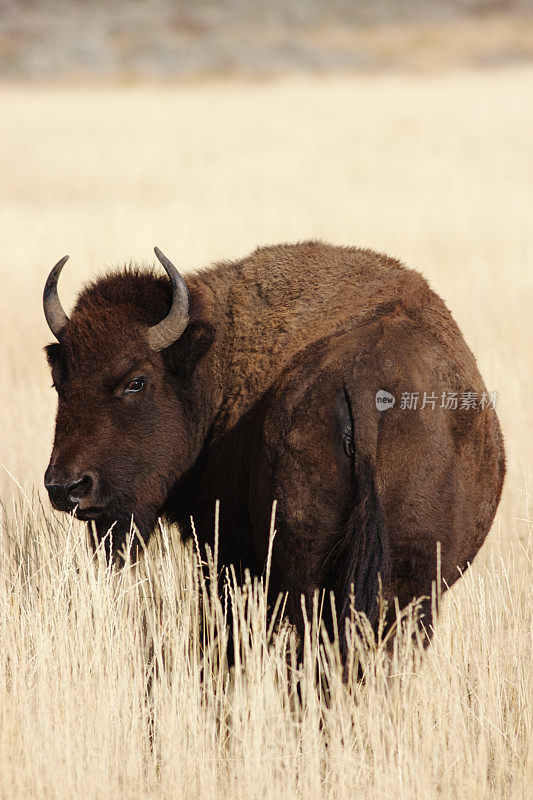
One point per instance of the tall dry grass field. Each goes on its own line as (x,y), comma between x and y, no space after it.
(436,170)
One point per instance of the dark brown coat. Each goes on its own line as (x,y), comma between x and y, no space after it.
(269,394)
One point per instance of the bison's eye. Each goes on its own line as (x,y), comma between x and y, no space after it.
(134,386)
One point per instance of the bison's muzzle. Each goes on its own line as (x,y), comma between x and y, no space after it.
(79,491)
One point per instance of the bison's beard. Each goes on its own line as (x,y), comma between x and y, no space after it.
(121,535)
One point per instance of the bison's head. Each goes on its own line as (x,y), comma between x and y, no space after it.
(121,368)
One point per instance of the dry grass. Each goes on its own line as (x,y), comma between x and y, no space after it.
(436,170)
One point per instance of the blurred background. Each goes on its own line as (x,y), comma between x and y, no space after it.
(142,39)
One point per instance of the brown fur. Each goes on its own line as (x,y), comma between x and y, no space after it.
(270,394)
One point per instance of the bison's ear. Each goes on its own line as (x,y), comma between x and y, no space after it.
(58,368)
(53,353)
(183,356)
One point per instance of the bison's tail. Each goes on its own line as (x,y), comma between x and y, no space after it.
(362,561)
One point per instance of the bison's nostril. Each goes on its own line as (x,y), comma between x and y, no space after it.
(79,488)
(67,495)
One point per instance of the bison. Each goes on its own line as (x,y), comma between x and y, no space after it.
(282,376)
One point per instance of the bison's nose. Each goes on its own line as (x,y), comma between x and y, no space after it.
(67,495)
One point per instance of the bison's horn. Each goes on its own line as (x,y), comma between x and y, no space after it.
(53,310)
(172,326)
